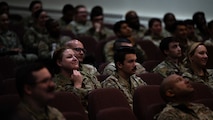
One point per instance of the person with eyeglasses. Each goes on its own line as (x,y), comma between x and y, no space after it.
(36,89)
(80,51)
(80,24)
(68,77)
(98,31)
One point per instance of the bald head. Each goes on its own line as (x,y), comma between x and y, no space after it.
(175,88)
(132,19)
(77,47)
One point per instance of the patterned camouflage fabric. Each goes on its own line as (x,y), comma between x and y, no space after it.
(47,47)
(90,83)
(167,67)
(79,29)
(102,35)
(89,69)
(126,86)
(25,112)
(32,37)
(207,79)
(192,111)
(110,69)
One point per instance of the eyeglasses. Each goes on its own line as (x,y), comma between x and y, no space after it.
(80,49)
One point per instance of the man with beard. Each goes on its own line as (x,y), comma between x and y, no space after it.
(177,92)
(124,77)
(36,88)
(171,49)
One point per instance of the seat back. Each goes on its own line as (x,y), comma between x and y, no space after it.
(147,102)
(201,91)
(104,98)
(150,64)
(8,86)
(116,114)
(8,104)
(70,105)
(150,49)
(210,57)
(151,78)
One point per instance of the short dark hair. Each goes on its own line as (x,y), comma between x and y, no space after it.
(117,26)
(196,14)
(96,11)
(165,17)
(119,55)
(164,44)
(33,3)
(176,24)
(117,43)
(152,20)
(24,76)
(67,7)
(189,22)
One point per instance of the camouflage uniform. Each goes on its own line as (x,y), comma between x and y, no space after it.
(89,83)
(79,29)
(207,79)
(102,35)
(109,52)
(110,69)
(154,39)
(62,23)
(9,40)
(47,47)
(209,42)
(25,112)
(28,22)
(87,68)
(168,67)
(138,33)
(193,111)
(126,86)
(32,37)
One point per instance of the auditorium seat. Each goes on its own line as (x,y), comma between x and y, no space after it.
(8,86)
(151,78)
(116,114)
(105,98)
(150,64)
(70,105)
(147,102)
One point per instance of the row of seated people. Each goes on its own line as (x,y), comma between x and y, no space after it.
(28,40)
(147,103)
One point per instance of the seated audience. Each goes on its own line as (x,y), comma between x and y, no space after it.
(201,26)
(122,30)
(133,22)
(80,24)
(36,33)
(177,93)
(79,52)
(54,41)
(10,44)
(111,69)
(168,19)
(179,31)
(36,88)
(68,14)
(170,47)
(34,6)
(124,78)
(191,35)
(196,63)
(209,42)
(154,32)
(69,79)
(98,31)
